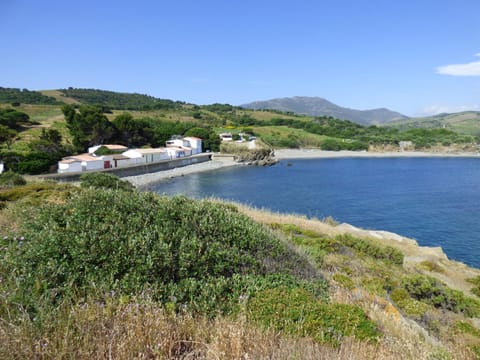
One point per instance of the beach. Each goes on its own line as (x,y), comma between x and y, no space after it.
(317,153)
(150,178)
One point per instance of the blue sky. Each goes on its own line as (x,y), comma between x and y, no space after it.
(411,56)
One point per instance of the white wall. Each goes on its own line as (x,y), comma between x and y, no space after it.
(195,144)
(69,167)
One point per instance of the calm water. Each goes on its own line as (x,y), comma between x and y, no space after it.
(435,201)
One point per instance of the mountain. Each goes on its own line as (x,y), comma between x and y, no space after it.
(316,106)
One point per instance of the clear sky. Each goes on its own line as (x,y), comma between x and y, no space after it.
(411,56)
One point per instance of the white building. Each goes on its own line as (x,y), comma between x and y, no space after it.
(147,156)
(190,145)
(84,162)
(195,144)
(226,136)
(175,152)
(1,167)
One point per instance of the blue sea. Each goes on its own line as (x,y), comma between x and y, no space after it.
(433,200)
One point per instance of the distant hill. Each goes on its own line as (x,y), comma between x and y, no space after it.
(117,100)
(24,96)
(465,122)
(316,106)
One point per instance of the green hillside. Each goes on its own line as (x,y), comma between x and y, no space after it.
(467,123)
(85,117)
(92,271)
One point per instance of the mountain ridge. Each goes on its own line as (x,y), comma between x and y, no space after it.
(317,106)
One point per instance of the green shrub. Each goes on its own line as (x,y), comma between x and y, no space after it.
(297,312)
(371,249)
(132,243)
(99,180)
(431,266)
(467,328)
(431,291)
(10,179)
(344,281)
(475,281)
(399,294)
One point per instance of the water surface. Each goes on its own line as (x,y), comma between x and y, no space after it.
(433,200)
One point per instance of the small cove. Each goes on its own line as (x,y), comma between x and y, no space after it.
(433,200)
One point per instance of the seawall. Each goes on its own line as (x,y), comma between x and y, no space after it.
(135,169)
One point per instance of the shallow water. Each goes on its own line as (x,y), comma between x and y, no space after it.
(433,200)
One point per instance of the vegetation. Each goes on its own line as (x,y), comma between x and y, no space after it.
(120,101)
(98,180)
(9,179)
(17,96)
(86,270)
(297,312)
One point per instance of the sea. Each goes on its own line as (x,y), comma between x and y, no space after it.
(435,201)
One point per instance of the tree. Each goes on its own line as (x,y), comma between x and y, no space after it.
(132,132)
(88,127)
(7,136)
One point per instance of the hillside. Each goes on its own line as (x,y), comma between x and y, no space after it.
(171,277)
(316,106)
(24,96)
(34,137)
(467,122)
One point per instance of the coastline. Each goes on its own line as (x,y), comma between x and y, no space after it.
(142,181)
(220,162)
(283,154)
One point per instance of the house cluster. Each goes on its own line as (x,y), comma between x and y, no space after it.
(118,156)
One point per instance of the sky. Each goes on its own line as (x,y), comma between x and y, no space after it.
(417,57)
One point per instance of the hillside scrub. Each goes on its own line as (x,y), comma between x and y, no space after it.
(93,272)
(130,243)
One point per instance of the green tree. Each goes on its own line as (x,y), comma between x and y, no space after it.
(132,132)
(88,127)
(7,136)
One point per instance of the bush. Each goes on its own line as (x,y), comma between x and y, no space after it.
(431,291)
(9,179)
(99,180)
(297,312)
(132,243)
(344,281)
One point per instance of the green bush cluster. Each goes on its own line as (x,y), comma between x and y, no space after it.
(9,179)
(295,311)
(99,180)
(131,243)
(430,291)
(323,244)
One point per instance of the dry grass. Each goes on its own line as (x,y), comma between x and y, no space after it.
(134,331)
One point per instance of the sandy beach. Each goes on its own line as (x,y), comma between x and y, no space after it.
(316,153)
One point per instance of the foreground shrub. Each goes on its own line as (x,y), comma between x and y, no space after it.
(131,243)
(10,179)
(100,180)
(297,312)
